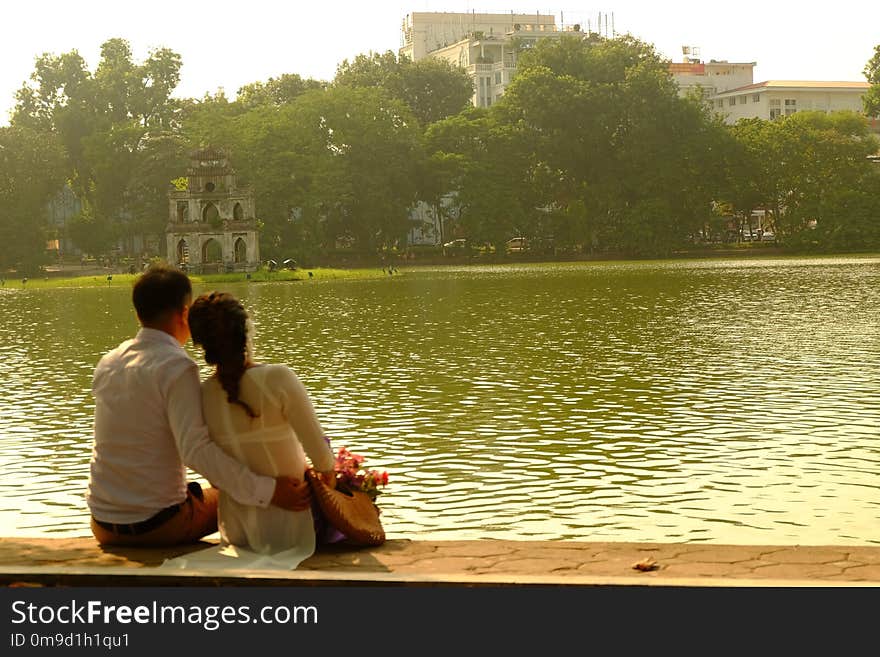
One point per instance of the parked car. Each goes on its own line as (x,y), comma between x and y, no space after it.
(455,246)
(517,245)
(767,236)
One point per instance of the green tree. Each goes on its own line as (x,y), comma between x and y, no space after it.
(161,159)
(810,172)
(432,88)
(31,172)
(276,91)
(750,183)
(340,163)
(486,166)
(829,166)
(622,163)
(93,234)
(848,218)
(107,121)
(439,181)
(366,148)
(871,98)
(209,120)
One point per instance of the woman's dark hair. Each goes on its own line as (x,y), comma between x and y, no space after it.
(218,324)
(159,290)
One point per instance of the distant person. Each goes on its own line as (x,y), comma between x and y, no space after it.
(149,425)
(261,415)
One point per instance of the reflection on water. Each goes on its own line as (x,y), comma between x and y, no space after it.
(720,401)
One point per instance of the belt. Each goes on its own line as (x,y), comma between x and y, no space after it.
(142,527)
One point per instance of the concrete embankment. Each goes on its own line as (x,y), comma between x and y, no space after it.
(81,562)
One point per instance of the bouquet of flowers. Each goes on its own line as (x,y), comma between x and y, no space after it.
(351,475)
(336,520)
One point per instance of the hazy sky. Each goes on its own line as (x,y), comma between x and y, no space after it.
(228,44)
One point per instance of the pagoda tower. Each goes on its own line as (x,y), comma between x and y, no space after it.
(212,224)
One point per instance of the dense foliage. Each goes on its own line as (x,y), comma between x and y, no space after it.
(590,150)
(872,73)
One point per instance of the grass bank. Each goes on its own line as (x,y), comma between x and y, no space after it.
(104,279)
(127,280)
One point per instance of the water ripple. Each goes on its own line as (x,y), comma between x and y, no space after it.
(716,401)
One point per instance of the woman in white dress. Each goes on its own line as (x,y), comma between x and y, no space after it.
(261,415)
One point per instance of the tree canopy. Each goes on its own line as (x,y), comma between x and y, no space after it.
(872,73)
(590,149)
(115,124)
(432,88)
(31,171)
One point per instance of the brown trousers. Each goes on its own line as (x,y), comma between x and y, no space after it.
(195,519)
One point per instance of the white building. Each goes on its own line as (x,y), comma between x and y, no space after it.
(775,98)
(712,77)
(424,33)
(730,89)
(485,45)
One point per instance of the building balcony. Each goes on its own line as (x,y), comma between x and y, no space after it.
(226,226)
(474,69)
(182,195)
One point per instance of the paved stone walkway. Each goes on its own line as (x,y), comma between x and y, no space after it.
(82,561)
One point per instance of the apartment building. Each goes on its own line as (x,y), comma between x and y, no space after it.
(729,88)
(712,77)
(775,98)
(485,45)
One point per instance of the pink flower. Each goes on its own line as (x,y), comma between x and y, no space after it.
(350,474)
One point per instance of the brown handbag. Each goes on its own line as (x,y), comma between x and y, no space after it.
(351,512)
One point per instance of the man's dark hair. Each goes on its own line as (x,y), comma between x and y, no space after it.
(159,290)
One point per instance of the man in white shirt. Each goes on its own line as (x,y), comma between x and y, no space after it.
(149,426)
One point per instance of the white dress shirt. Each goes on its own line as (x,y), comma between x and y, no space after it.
(148,426)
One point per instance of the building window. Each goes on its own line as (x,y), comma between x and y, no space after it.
(212,251)
(742,100)
(774,113)
(182,252)
(756,98)
(790,102)
(731,101)
(240,250)
(211,214)
(719,103)
(498,77)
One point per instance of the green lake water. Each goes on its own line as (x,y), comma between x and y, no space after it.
(726,401)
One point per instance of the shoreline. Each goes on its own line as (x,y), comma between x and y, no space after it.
(107,278)
(75,277)
(81,562)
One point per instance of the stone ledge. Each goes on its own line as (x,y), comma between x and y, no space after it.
(75,562)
